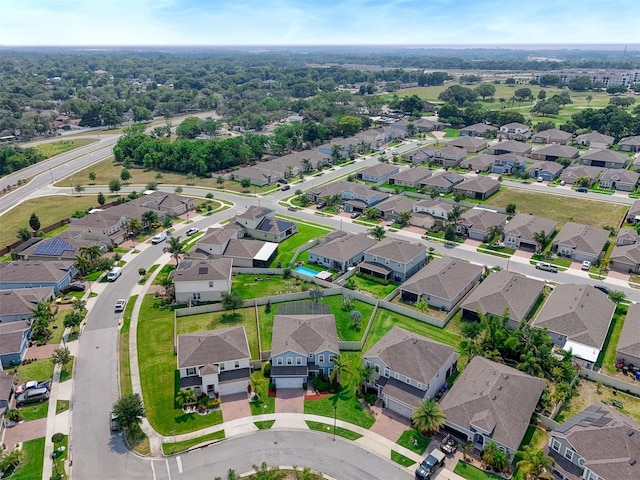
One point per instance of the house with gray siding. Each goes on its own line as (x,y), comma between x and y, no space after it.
(14,341)
(551,153)
(476,223)
(619,179)
(302,347)
(408,369)
(549,171)
(17,304)
(409,177)
(508,164)
(633,216)
(29,274)
(202,280)
(625,257)
(393,259)
(605,159)
(355,197)
(491,402)
(442,283)
(378,172)
(482,162)
(580,242)
(341,252)
(629,344)
(515,131)
(520,231)
(594,140)
(392,207)
(629,144)
(479,187)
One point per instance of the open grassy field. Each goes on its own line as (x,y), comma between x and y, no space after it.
(562,209)
(52,149)
(48,209)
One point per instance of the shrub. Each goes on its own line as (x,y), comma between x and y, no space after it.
(209,195)
(321,384)
(213,403)
(266,371)
(366,276)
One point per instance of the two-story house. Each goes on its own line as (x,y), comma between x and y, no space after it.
(302,347)
(102,226)
(341,250)
(261,223)
(14,341)
(491,402)
(508,164)
(428,213)
(215,362)
(515,131)
(580,242)
(407,369)
(393,259)
(520,232)
(202,280)
(553,135)
(598,443)
(443,282)
(625,257)
(448,156)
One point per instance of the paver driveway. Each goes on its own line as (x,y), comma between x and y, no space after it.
(290,400)
(235,406)
(25,431)
(389,424)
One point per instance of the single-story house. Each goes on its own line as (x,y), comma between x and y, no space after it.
(215,240)
(552,153)
(598,443)
(619,179)
(443,282)
(572,173)
(515,131)
(491,402)
(449,156)
(577,318)
(393,259)
(250,253)
(508,164)
(409,177)
(594,140)
(549,171)
(482,162)
(423,125)
(255,175)
(17,304)
(520,231)
(392,207)
(165,202)
(478,187)
(605,159)
(469,144)
(510,147)
(28,274)
(629,144)
(215,362)
(202,280)
(629,344)
(633,216)
(261,223)
(408,369)
(478,130)
(378,172)
(355,197)
(503,291)
(553,135)
(443,182)
(580,242)
(14,341)
(339,252)
(302,347)
(625,256)
(429,213)
(475,223)
(627,236)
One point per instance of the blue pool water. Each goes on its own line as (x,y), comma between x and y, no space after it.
(306,271)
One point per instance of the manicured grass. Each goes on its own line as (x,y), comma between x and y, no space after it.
(33,463)
(344,324)
(172,448)
(607,357)
(158,374)
(497,248)
(265,404)
(288,248)
(48,209)
(67,373)
(374,288)
(414,441)
(472,473)
(562,262)
(57,326)
(39,370)
(265,425)
(210,321)
(266,286)
(62,406)
(561,208)
(123,348)
(349,407)
(61,455)
(93,276)
(401,459)
(386,319)
(52,149)
(163,273)
(326,428)
(35,411)
(451,133)
(534,436)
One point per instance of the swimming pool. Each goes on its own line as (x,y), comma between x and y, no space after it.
(306,271)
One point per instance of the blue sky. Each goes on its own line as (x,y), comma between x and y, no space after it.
(318,22)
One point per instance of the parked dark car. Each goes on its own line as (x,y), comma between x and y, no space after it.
(582,190)
(430,464)
(603,288)
(76,287)
(293,209)
(33,395)
(285,187)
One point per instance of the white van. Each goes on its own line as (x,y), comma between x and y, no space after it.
(161,237)
(549,267)
(113,275)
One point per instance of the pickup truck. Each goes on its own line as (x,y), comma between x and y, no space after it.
(430,464)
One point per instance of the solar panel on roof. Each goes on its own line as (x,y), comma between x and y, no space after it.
(601,422)
(54,247)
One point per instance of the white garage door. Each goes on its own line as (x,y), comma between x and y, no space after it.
(233,387)
(399,408)
(289,382)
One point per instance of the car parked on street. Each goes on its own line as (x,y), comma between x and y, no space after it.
(120,304)
(582,190)
(192,231)
(161,237)
(285,187)
(602,288)
(113,422)
(292,209)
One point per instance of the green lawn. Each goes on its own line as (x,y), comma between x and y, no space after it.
(326,428)
(472,473)
(374,288)
(451,132)
(163,273)
(414,441)
(34,412)
(57,326)
(52,149)
(39,370)
(344,324)
(607,357)
(265,404)
(287,248)
(212,321)
(171,448)
(62,406)
(32,466)
(401,459)
(67,373)
(124,355)
(264,425)
(349,408)
(61,456)
(158,374)
(268,285)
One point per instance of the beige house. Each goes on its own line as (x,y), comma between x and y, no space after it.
(476,223)
(629,343)
(580,242)
(409,177)
(553,135)
(479,188)
(521,230)
(469,144)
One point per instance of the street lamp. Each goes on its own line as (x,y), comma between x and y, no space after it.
(335,409)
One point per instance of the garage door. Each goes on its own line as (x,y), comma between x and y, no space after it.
(399,408)
(289,382)
(233,387)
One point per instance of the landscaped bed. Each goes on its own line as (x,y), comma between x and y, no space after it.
(414,441)
(265,403)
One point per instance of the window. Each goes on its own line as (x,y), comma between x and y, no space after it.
(320,358)
(289,361)
(568,454)
(395,374)
(332,358)
(555,445)
(196,296)
(407,379)
(210,284)
(221,367)
(387,373)
(191,371)
(581,461)
(279,361)
(419,385)
(310,354)
(237,364)
(298,360)
(592,476)
(377,368)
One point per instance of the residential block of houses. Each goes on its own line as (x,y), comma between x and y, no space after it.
(520,232)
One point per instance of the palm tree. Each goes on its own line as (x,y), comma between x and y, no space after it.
(454,215)
(404,218)
(365,376)
(340,366)
(174,247)
(149,217)
(92,252)
(135,226)
(377,232)
(494,233)
(79,305)
(489,453)
(428,417)
(541,239)
(534,463)
(185,396)
(315,294)
(306,164)
(83,264)
(61,356)
(336,153)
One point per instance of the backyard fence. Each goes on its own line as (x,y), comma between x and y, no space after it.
(303,248)
(623,386)
(256,271)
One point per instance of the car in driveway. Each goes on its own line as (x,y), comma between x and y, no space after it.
(120,304)
(33,395)
(355,215)
(429,465)
(192,231)
(76,287)
(66,300)
(586,265)
(19,389)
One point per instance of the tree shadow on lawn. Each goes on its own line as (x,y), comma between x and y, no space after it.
(228,319)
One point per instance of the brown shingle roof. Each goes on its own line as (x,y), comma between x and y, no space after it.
(397,203)
(194,270)
(20,301)
(304,334)
(481,219)
(345,247)
(629,343)
(443,277)
(583,238)
(396,250)
(411,174)
(11,336)
(215,346)
(478,184)
(525,226)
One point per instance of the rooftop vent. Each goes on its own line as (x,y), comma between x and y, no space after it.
(493,397)
(632,461)
(499,387)
(506,376)
(414,341)
(630,432)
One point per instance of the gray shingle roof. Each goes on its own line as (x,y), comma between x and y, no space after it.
(442,277)
(525,226)
(633,141)
(482,219)
(558,151)
(40,271)
(444,179)
(551,167)
(468,141)
(218,236)
(411,174)
(254,212)
(496,397)
(344,247)
(243,248)
(594,137)
(212,347)
(512,146)
(479,184)
(620,175)
(20,301)
(304,334)
(378,169)
(396,250)
(605,156)
(478,162)
(410,354)
(553,133)
(194,270)
(397,203)
(583,238)
(629,343)
(11,336)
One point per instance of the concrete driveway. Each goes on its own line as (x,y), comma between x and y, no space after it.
(235,406)
(290,400)
(389,424)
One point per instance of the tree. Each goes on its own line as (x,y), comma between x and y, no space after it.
(511,209)
(377,232)
(340,367)
(372,213)
(428,417)
(185,396)
(245,183)
(347,300)
(541,239)
(232,301)
(534,463)
(316,294)
(349,125)
(125,175)
(149,217)
(449,233)
(114,185)
(542,94)
(128,411)
(174,247)
(34,223)
(10,461)
(421,305)
(23,234)
(79,305)
(454,215)
(61,356)
(92,177)
(485,90)
(220,181)
(73,320)
(336,153)
(101,199)
(404,218)
(589,98)
(617,296)
(134,226)
(356,318)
